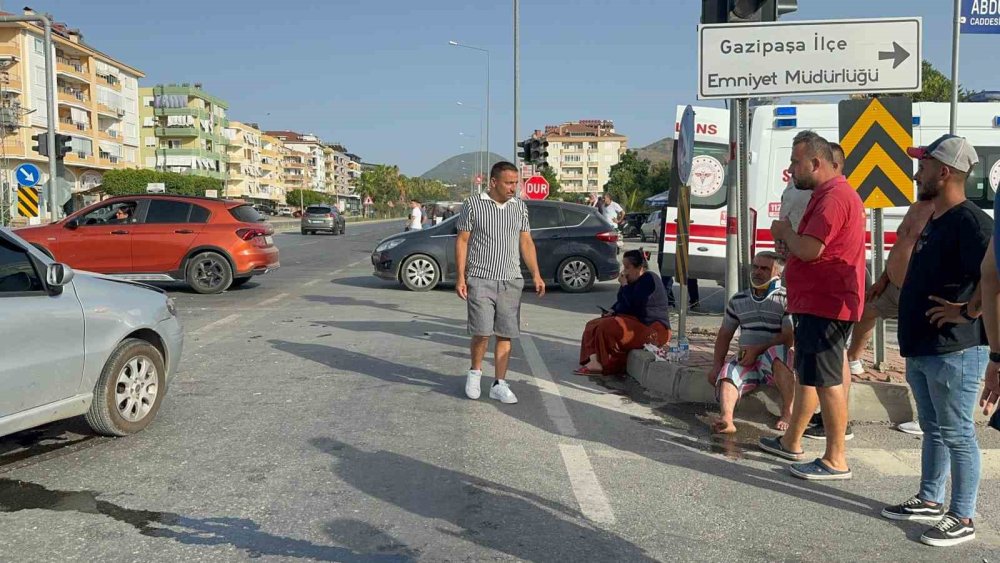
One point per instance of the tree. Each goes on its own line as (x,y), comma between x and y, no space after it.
(555,190)
(384,185)
(630,183)
(133,181)
(936,87)
(305,197)
(423,189)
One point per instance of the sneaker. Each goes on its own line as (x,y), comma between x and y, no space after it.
(501,392)
(472,387)
(949,531)
(912,427)
(857,368)
(817,418)
(914,509)
(819,433)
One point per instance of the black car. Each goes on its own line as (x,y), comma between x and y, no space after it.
(632,225)
(576,247)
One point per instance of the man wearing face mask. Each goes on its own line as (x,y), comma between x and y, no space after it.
(765,341)
(826,280)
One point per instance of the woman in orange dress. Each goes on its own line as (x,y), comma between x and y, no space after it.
(639,316)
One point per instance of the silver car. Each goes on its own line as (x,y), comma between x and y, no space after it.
(80,344)
(323,218)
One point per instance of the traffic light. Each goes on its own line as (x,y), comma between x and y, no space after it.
(41,143)
(525,153)
(745,11)
(63,145)
(538,152)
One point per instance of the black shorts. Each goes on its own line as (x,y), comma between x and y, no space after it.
(820,345)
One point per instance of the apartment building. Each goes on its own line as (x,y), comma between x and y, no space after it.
(183,130)
(582,153)
(312,165)
(339,161)
(246,165)
(272,166)
(97,104)
(353,170)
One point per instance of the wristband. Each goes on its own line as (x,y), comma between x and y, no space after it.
(964,311)
(995,357)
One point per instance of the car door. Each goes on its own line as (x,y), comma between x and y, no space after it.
(444,236)
(547,231)
(99,240)
(41,335)
(166,231)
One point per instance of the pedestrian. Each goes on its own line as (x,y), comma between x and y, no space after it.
(415,222)
(494,236)
(612,211)
(826,279)
(941,339)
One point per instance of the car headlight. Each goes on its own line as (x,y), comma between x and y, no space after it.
(389,245)
(171,306)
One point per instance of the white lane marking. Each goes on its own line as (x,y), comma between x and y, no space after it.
(587,489)
(272,300)
(215,324)
(311,282)
(551,396)
(351,265)
(308,243)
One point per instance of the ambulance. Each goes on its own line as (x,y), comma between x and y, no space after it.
(772,129)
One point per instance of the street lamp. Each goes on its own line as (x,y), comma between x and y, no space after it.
(457,44)
(482,160)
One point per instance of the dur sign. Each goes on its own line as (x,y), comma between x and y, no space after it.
(816,57)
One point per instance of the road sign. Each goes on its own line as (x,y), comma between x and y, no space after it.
(536,188)
(980,16)
(685,144)
(156,188)
(211,193)
(27,174)
(368,200)
(815,57)
(27,202)
(875,135)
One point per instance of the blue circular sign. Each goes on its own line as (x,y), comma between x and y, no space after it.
(27,174)
(685,145)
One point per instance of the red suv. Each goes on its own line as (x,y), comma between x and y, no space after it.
(211,244)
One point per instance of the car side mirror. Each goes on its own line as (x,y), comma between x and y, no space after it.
(58,275)
(72,224)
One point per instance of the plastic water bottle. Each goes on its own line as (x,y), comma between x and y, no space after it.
(683,352)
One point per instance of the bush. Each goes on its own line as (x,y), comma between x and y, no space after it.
(133,181)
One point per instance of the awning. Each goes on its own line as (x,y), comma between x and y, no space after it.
(661,199)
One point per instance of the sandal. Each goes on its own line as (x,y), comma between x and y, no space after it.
(774,446)
(584,370)
(818,470)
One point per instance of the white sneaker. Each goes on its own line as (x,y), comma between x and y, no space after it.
(472,387)
(501,392)
(857,368)
(912,427)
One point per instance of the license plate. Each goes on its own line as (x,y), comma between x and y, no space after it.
(268,239)
(314,222)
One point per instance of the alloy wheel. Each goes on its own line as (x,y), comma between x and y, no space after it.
(136,389)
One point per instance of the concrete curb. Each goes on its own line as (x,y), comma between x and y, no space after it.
(289,225)
(869,401)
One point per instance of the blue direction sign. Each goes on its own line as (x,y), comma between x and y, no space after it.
(685,144)
(27,174)
(980,16)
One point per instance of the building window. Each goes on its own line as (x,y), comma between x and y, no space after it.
(150,141)
(147,101)
(39,46)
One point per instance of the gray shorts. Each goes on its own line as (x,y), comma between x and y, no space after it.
(495,307)
(887,304)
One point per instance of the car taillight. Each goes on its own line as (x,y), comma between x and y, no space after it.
(610,236)
(255,235)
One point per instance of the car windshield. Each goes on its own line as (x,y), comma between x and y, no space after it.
(318,210)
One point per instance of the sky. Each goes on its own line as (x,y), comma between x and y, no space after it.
(380,77)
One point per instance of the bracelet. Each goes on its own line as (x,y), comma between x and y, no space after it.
(995,357)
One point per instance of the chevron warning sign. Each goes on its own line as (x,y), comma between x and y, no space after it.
(27,201)
(875,134)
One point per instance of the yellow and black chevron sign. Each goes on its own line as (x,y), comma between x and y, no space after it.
(875,134)
(27,202)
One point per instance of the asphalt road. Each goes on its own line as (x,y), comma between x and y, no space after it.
(319,414)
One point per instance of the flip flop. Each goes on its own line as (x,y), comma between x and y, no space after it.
(817,470)
(583,370)
(772,445)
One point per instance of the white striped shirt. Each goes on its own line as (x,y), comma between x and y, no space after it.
(495,234)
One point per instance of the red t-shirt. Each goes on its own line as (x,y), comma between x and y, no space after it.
(833,285)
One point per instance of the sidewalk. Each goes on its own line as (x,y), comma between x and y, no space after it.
(875,396)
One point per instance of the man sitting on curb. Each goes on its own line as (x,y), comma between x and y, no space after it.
(765,339)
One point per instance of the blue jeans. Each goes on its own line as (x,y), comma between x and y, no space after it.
(945,388)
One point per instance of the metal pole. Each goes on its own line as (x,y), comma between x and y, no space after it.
(681,256)
(743,155)
(733,205)
(517,78)
(878,266)
(486,159)
(953,123)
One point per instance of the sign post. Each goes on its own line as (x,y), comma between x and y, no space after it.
(685,158)
(875,134)
(536,187)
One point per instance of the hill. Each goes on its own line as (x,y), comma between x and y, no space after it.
(657,152)
(458,169)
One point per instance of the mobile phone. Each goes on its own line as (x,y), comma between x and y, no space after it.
(603,310)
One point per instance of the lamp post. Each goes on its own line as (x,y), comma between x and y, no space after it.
(481,160)
(457,44)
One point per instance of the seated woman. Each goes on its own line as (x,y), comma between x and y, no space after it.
(638,317)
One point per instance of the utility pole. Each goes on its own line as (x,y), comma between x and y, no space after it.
(517,79)
(956,32)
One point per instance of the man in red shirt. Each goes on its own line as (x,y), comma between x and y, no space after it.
(825,276)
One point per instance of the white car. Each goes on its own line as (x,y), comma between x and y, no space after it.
(75,343)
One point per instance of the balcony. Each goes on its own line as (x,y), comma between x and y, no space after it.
(11,48)
(110,82)
(109,135)
(72,69)
(11,80)
(107,158)
(200,113)
(81,159)
(201,153)
(67,124)
(104,109)
(73,97)
(176,132)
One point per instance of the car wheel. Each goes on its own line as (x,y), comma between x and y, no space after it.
(129,391)
(420,273)
(209,272)
(576,275)
(642,236)
(343,229)
(305,232)
(239,282)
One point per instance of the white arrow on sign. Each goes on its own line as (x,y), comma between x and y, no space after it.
(812,57)
(28,175)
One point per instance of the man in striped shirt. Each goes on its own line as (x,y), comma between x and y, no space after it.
(493,237)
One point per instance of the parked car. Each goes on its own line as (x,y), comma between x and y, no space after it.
(323,218)
(632,225)
(80,344)
(285,211)
(576,248)
(211,244)
(650,230)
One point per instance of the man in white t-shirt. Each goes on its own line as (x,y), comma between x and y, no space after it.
(416,216)
(612,211)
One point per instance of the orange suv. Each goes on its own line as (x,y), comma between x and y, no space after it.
(211,244)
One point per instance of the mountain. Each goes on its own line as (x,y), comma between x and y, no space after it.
(458,169)
(660,151)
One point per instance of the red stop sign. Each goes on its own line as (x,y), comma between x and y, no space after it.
(536,188)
